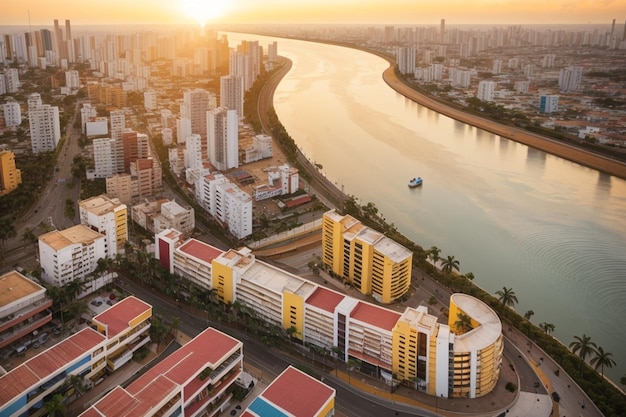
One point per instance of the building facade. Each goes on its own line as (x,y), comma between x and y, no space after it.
(10,176)
(374,264)
(223,138)
(109,217)
(45,130)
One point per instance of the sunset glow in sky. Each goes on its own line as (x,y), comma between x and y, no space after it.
(81,12)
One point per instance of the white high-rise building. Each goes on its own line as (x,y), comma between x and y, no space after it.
(72,79)
(196,104)
(118,124)
(272,52)
(150,100)
(486,90)
(11,80)
(570,78)
(231,93)
(193,152)
(12,113)
(223,138)
(71,254)
(405,59)
(183,129)
(548,103)
(45,130)
(105,157)
(497,67)
(108,216)
(227,203)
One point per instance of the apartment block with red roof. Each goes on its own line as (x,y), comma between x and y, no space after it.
(296,394)
(126,326)
(25,389)
(196,380)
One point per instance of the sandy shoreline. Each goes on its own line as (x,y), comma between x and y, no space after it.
(547,145)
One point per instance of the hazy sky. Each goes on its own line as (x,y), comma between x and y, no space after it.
(85,12)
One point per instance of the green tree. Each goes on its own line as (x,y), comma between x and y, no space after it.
(449,264)
(55,406)
(7,231)
(507,297)
(78,383)
(28,236)
(529,314)
(583,347)
(463,323)
(602,359)
(433,254)
(547,327)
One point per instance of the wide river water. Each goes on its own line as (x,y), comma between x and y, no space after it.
(552,230)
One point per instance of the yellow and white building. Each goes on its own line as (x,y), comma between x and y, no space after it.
(10,176)
(109,217)
(371,262)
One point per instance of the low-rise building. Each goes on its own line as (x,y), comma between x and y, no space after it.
(10,176)
(24,307)
(108,216)
(157,216)
(197,379)
(293,393)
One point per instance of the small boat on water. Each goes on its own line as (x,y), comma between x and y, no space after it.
(415,182)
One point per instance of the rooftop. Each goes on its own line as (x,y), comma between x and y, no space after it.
(200,250)
(376,316)
(325,299)
(47,364)
(14,286)
(100,204)
(79,234)
(118,317)
(294,392)
(482,336)
(278,280)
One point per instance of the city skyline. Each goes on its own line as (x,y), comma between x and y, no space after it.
(40,12)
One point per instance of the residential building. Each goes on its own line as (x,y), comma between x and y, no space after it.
(11,80)
(96,126)
(24,307)
(87,113)
(72,254)
(197,379)
(10,176)
(231,93)
(157,216)
(24,388)
(228,204)
(109,217)
(193,152)
(118,124)
(150,100)
(223,138)
(12,113)
(548,103)
(570,79)
(412,347)
(405,59)
(294,393)
(105,157)
(149,178)
(125,325)
(486,90)
(72,79)
(183,129)
(261,149)
(196,104)
(371,262)
(122,187)
(281,180)
(45,131)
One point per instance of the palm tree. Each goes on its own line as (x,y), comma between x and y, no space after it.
(449,264)
(463,323)
(547,327)
(77,382)
(529,314)
(433,254)
(55,406)
(507,297)
(583,346)
(602,359)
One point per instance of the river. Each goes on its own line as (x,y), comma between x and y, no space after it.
(552,230)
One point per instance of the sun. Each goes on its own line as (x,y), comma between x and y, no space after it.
(203,10)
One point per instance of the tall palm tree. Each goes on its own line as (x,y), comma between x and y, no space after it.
(547,327)
(77,382)
(529,314)
(602,359)
(507,297)
(463,323)
(583,346)
(449,264)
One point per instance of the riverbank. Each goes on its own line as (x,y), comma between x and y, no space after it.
(541,143)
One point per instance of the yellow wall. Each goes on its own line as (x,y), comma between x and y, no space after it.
(332,244)
(326,410)
(453,317)
(223,282)
(293,313)
(403,329)
(121,227)
(141,318)
(10,176)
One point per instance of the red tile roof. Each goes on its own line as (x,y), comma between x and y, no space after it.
(376,316)
(298,393)
(47,363)
(325,299)
(118,316)
(200,250)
